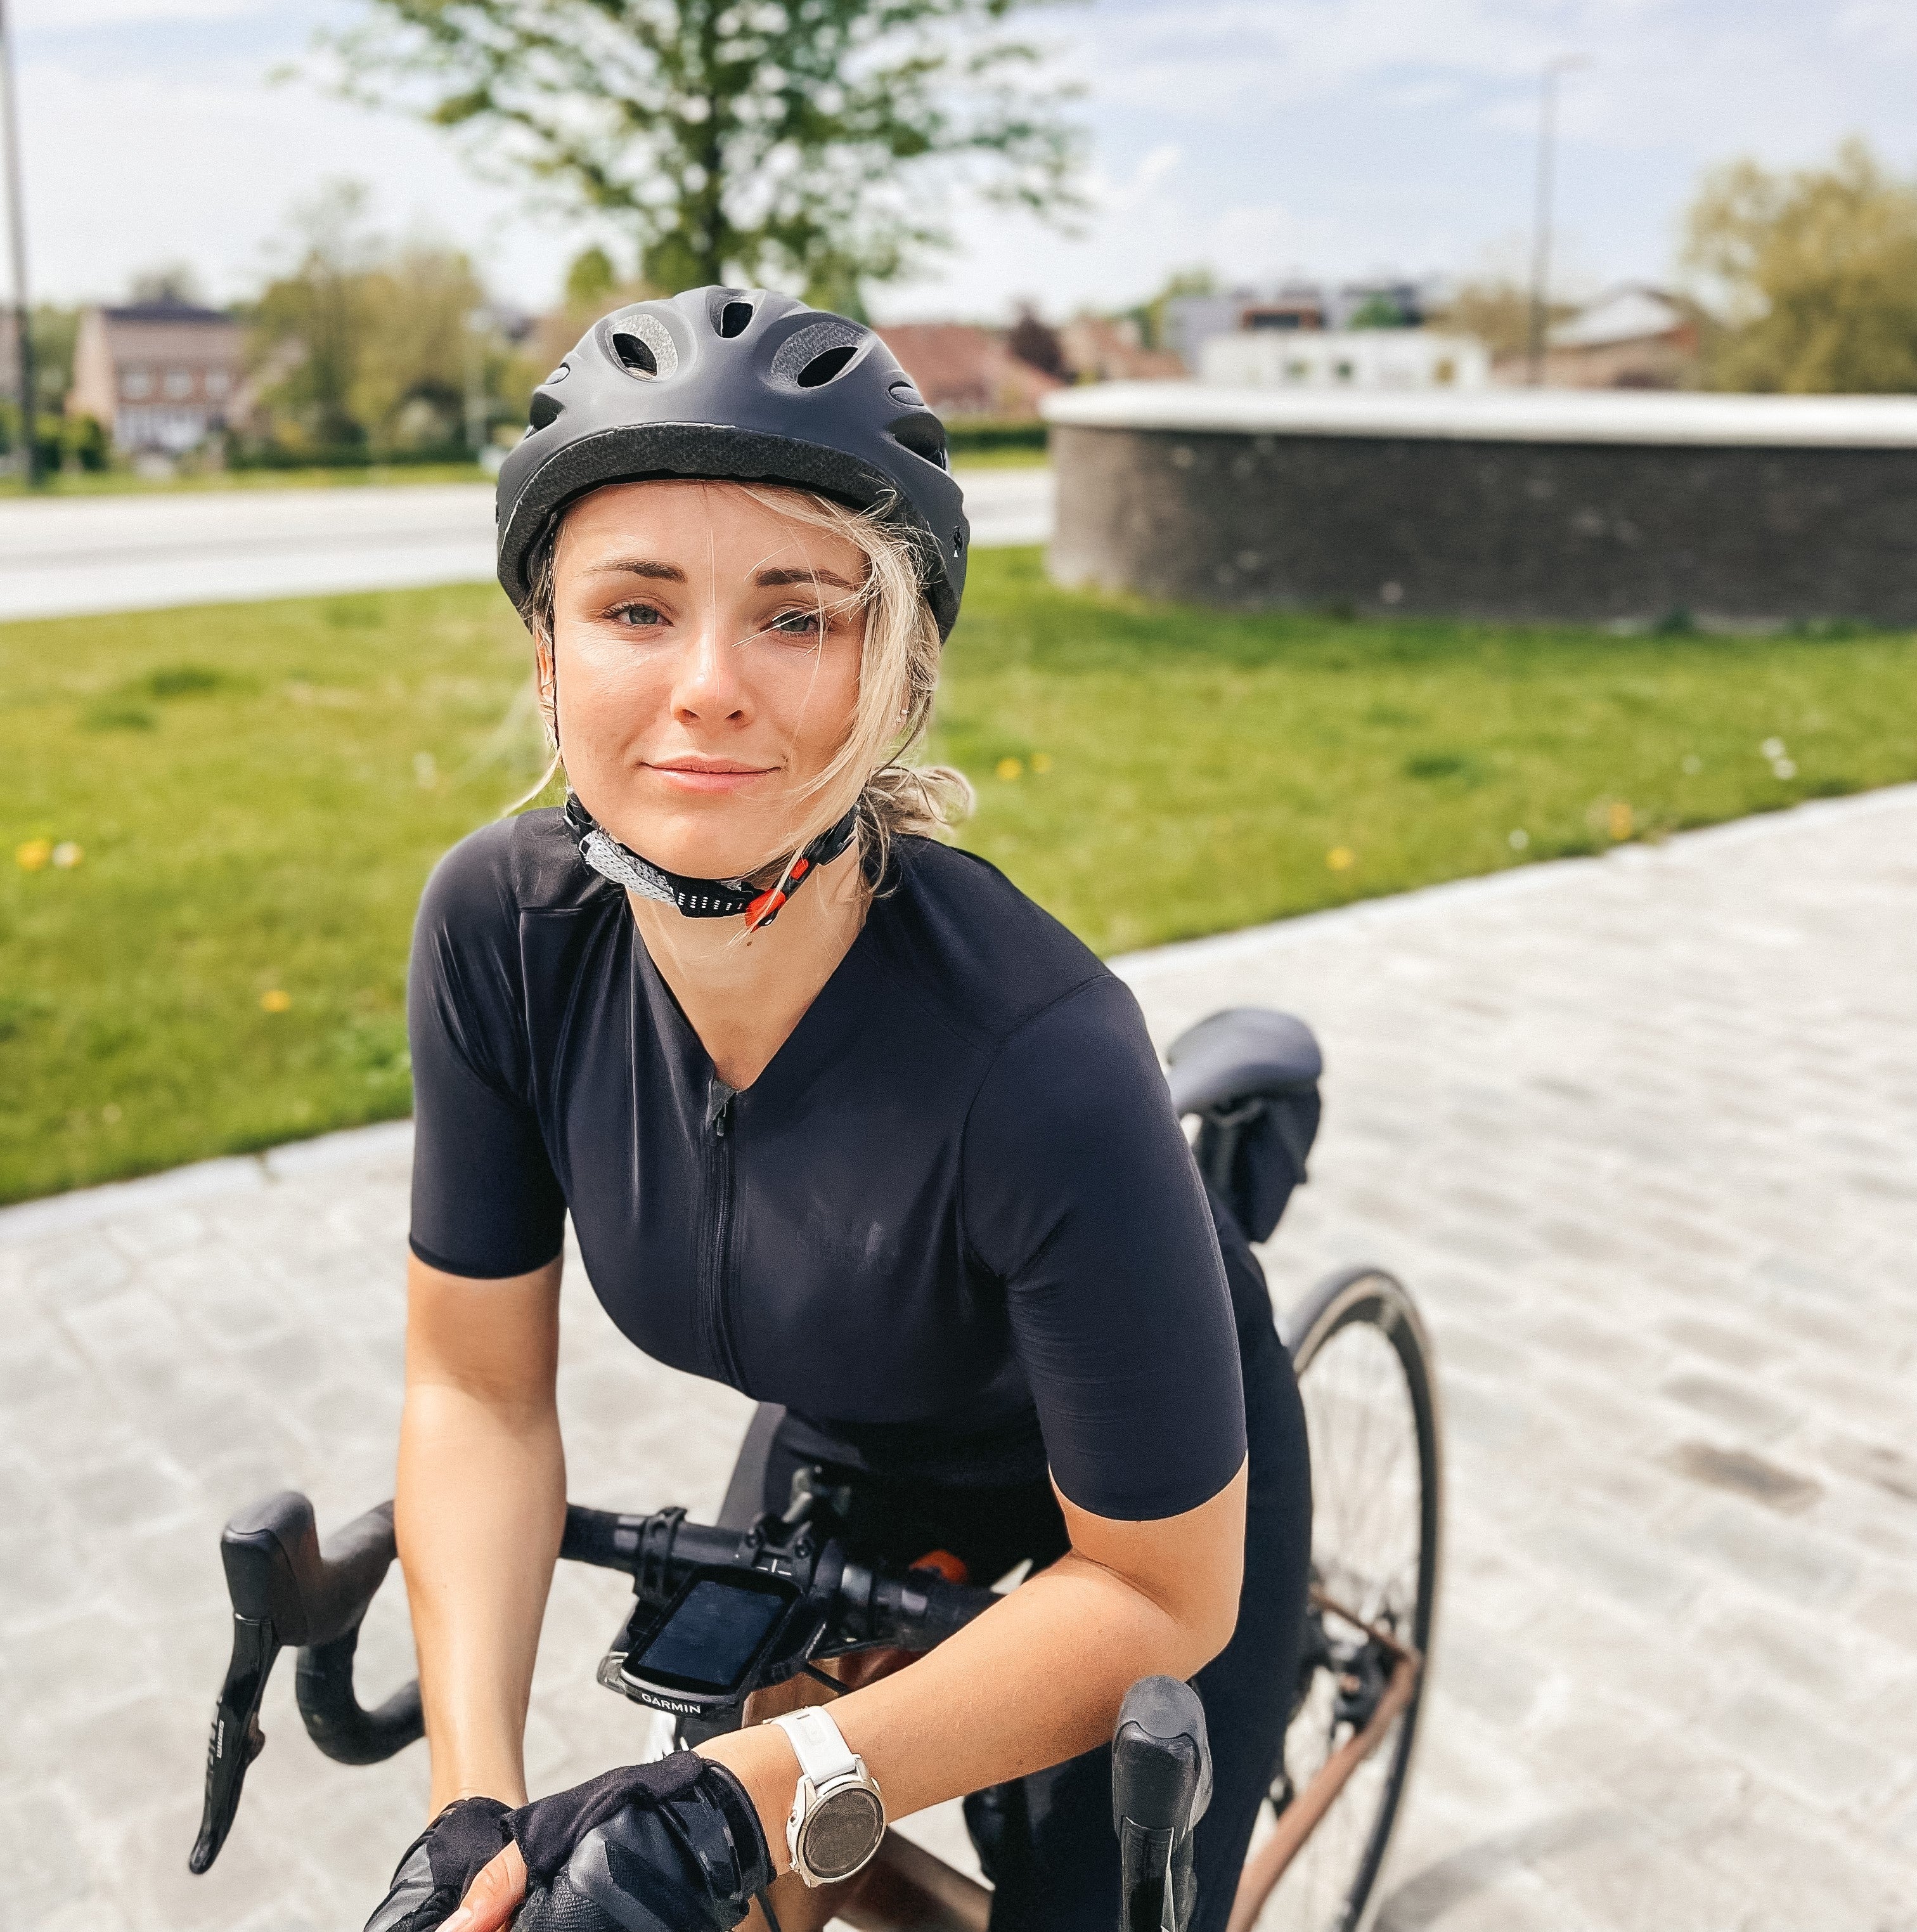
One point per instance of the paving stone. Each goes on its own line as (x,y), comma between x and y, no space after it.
(1638,1134)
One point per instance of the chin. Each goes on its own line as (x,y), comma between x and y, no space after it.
(711,844)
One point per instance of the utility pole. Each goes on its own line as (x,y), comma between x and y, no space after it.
(17,228)
(1541,232)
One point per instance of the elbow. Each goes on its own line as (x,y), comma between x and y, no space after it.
(1213,1629)
(1204,1624)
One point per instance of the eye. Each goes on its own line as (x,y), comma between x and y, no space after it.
(638,617)
(806,624)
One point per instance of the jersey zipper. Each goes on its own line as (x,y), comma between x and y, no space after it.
(717,1261)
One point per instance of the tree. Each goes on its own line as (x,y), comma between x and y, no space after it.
(807,142)
(1497,313)
(1814,275)
(362,346)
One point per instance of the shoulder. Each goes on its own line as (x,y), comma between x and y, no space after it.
(508,868)
(974,947)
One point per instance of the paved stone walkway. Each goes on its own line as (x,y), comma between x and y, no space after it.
(1639,1132)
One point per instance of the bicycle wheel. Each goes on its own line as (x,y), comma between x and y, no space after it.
(1363,1370)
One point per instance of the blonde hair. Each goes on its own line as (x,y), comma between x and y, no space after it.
(898,679)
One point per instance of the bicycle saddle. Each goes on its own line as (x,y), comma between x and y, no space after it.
(1244,1053)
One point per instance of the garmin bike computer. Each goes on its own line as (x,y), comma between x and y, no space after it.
(697,1656)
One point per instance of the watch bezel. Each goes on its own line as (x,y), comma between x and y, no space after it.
(810,1805)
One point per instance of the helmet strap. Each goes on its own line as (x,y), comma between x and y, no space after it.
(702,898)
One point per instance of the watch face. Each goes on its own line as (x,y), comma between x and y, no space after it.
(842,1832)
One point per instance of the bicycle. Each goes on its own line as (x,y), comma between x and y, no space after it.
(724,1610)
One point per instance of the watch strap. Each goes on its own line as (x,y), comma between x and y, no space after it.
(818,1744)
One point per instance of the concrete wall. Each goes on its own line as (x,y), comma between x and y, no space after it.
(1503,518)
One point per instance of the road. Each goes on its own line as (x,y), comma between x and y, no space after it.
(66,557)
(1637,1130)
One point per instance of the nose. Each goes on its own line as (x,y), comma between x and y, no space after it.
(706,684)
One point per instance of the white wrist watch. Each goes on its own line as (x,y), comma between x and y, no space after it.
(838,1817)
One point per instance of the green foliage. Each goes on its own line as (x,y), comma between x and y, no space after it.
(811,143)
(1149,315)
(364,350)
(274,781)
(1379,312)
(1817,273)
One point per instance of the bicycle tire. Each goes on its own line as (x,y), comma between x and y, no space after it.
(1332,1885)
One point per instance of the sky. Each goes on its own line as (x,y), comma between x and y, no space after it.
(1258,138)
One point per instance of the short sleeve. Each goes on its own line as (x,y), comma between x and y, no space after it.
(1081,1195)
(485,1201)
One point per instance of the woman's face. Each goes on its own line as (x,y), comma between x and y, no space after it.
(707,650)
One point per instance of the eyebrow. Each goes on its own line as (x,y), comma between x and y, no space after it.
(638,566)
(773,579)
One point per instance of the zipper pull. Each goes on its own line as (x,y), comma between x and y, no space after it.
(719,1099)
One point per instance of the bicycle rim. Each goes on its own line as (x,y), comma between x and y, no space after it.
(1364,1372)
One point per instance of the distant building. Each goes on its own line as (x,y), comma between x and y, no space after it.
(1345,358)
(1103,348)
(964,370)
(1633,338)
(1292,307)
(162,375)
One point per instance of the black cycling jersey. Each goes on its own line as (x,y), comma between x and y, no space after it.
(954,1226)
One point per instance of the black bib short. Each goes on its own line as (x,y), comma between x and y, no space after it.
(953,1231)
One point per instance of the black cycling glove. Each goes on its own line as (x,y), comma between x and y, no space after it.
(435,1870)
(671,1847)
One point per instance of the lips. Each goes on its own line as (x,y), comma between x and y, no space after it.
(708,774)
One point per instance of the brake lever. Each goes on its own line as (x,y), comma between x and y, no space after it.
(236,1738)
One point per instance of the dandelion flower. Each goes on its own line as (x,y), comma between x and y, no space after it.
(278,1001)
(67,855)
(1340,858)
(1009,769)
(1620,820)
(33,856)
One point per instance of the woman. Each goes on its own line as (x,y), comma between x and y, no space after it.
(841,1119)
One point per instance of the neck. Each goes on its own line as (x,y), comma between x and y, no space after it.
(744,992)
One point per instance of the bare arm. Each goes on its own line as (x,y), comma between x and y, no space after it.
(1036,1679)
(480,1508)
(1040,1677)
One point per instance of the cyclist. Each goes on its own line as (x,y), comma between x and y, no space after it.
(841,1119)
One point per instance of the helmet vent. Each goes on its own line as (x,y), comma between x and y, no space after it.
(821,369)
(635,356)
(735,318)
(641,345)
(811,357)
(924,435)
(545,408)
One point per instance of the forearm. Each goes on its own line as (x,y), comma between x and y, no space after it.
(479,1509)
(1039,1678)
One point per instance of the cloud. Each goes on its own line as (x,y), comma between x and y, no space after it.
(46,17)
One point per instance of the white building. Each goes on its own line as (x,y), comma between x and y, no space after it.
(162,375)
(1344,358)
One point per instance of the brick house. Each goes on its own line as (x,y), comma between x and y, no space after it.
(162,375)
(964,370)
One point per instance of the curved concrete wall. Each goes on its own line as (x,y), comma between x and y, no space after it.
(1742,512)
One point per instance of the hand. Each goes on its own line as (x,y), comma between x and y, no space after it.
(435,1870)
(671,1847)
(493,1896)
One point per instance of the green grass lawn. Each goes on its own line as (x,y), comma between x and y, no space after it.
(257,793)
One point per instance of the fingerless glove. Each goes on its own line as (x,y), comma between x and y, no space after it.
(435,1869)
(671,1847)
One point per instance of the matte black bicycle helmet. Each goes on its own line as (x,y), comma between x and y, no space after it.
(743,384)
